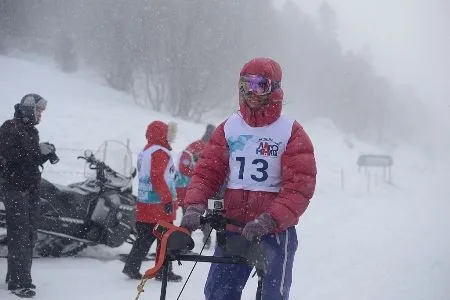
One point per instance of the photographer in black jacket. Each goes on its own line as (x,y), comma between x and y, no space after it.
(21,156)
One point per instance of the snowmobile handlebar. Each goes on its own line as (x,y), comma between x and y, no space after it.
(100,166)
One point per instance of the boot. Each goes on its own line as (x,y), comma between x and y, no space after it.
(24,292)
(132,274)
(171,276)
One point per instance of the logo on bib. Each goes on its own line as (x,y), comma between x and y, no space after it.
(268,147)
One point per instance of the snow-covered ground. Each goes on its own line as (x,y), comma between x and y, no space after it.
(356,241)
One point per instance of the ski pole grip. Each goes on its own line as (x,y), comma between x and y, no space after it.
(235,223)
(219,219)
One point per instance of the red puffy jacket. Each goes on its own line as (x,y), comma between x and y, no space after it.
(186,164)
(298,165)
(151,213)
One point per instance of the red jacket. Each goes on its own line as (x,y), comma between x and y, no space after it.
(152,213)
(186,164)
(298,165)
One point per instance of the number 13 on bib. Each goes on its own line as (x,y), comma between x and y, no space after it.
(255,157)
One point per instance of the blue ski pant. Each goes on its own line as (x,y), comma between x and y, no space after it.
(226,281)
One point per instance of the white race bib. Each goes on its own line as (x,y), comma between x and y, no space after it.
(146,194)
(255,153)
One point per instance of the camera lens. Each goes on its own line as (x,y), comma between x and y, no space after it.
(53,158)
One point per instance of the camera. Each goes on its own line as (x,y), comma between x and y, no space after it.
(216,205)
(48,152)
(53,158)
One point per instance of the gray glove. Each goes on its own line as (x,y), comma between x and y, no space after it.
(191,218)
(262,225)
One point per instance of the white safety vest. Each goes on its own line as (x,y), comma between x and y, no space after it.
(146,194)
(255,153)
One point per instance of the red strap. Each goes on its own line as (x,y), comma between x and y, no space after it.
(162,231)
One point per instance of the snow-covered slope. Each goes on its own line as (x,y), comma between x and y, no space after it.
(388,242)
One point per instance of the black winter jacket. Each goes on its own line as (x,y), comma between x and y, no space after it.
(20,156)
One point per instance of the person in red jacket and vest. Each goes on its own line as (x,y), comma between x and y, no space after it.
(188,159)
(268,160)
(156,194)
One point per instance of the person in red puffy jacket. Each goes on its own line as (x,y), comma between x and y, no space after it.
(156,194)
(188,159)
(267,161)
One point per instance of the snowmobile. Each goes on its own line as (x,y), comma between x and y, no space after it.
(97,211)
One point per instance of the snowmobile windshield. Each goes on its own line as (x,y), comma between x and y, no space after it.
(118,157)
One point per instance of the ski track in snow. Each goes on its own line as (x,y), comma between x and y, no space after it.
(391,243)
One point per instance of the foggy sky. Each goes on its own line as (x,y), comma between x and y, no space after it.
(409,40)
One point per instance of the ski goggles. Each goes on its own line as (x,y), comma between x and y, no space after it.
(257,84)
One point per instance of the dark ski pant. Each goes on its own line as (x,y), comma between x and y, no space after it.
(226,281)
(141,246)
(22,220)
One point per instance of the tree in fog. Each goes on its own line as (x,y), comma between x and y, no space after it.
(65,53)
(328,23)
(187,54)
(106,34)
(14,22)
